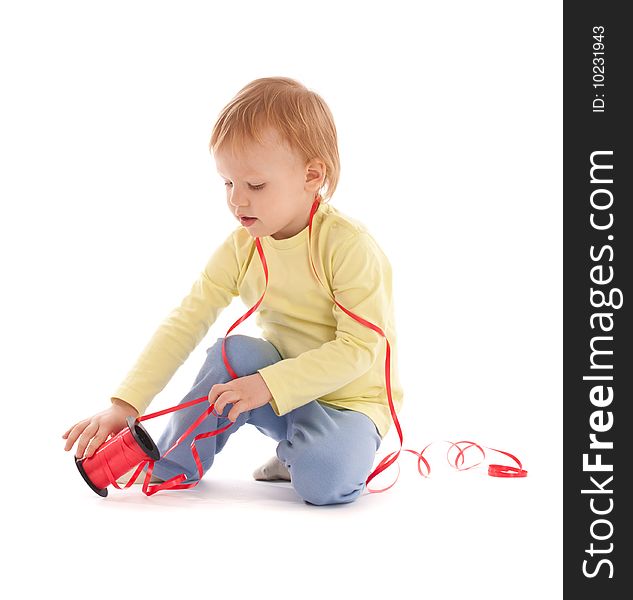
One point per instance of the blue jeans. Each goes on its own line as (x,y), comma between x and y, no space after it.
(329,452)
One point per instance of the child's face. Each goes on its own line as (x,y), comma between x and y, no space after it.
(271,183)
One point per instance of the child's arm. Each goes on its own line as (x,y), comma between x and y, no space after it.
(171,344)
(183,329)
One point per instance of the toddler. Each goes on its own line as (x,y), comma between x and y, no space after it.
(315,381)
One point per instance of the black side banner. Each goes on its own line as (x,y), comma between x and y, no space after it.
(598,300)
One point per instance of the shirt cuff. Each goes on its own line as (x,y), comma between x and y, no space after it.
(132,397)
(278,403)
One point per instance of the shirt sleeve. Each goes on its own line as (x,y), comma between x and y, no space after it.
(183,329)
(359,272)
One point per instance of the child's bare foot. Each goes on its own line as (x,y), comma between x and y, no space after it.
(273,470)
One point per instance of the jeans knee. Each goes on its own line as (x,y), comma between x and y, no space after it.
(245,354)
(327,484)
(321,495)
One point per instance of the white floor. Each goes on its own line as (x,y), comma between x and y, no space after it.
(451,536)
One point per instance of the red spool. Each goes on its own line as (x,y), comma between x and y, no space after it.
(117,456)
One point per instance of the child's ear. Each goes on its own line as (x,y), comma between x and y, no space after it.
(315,174)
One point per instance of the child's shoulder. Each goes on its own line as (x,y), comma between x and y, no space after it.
(241,239)
(342,233)
(341,225)
(340,230)
(347,240)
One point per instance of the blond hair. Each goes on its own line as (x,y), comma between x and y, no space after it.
(300,116)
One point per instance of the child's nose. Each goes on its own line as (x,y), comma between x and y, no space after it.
(237,198)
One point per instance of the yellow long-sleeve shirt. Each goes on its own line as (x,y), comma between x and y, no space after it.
(327,355)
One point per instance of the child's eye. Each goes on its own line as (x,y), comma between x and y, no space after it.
(253,187)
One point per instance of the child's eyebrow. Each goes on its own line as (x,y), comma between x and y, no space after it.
(252,175)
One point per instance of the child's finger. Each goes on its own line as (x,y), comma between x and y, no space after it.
(68,431)
(226,397)
(74,434)
(96,442)
(84,438)
(217,390)
(235,412)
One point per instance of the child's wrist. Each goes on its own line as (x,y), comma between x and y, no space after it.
(126,406)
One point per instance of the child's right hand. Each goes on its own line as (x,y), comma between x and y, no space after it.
(92,432)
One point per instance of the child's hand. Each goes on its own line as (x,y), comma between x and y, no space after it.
(92,432)
(245,393)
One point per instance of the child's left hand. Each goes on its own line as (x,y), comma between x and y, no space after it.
(245,393)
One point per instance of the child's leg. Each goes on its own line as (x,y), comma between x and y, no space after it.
(245,354)
(329,452)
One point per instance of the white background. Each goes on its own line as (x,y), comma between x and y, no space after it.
(450,126)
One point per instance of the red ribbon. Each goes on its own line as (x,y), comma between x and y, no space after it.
(176,483)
